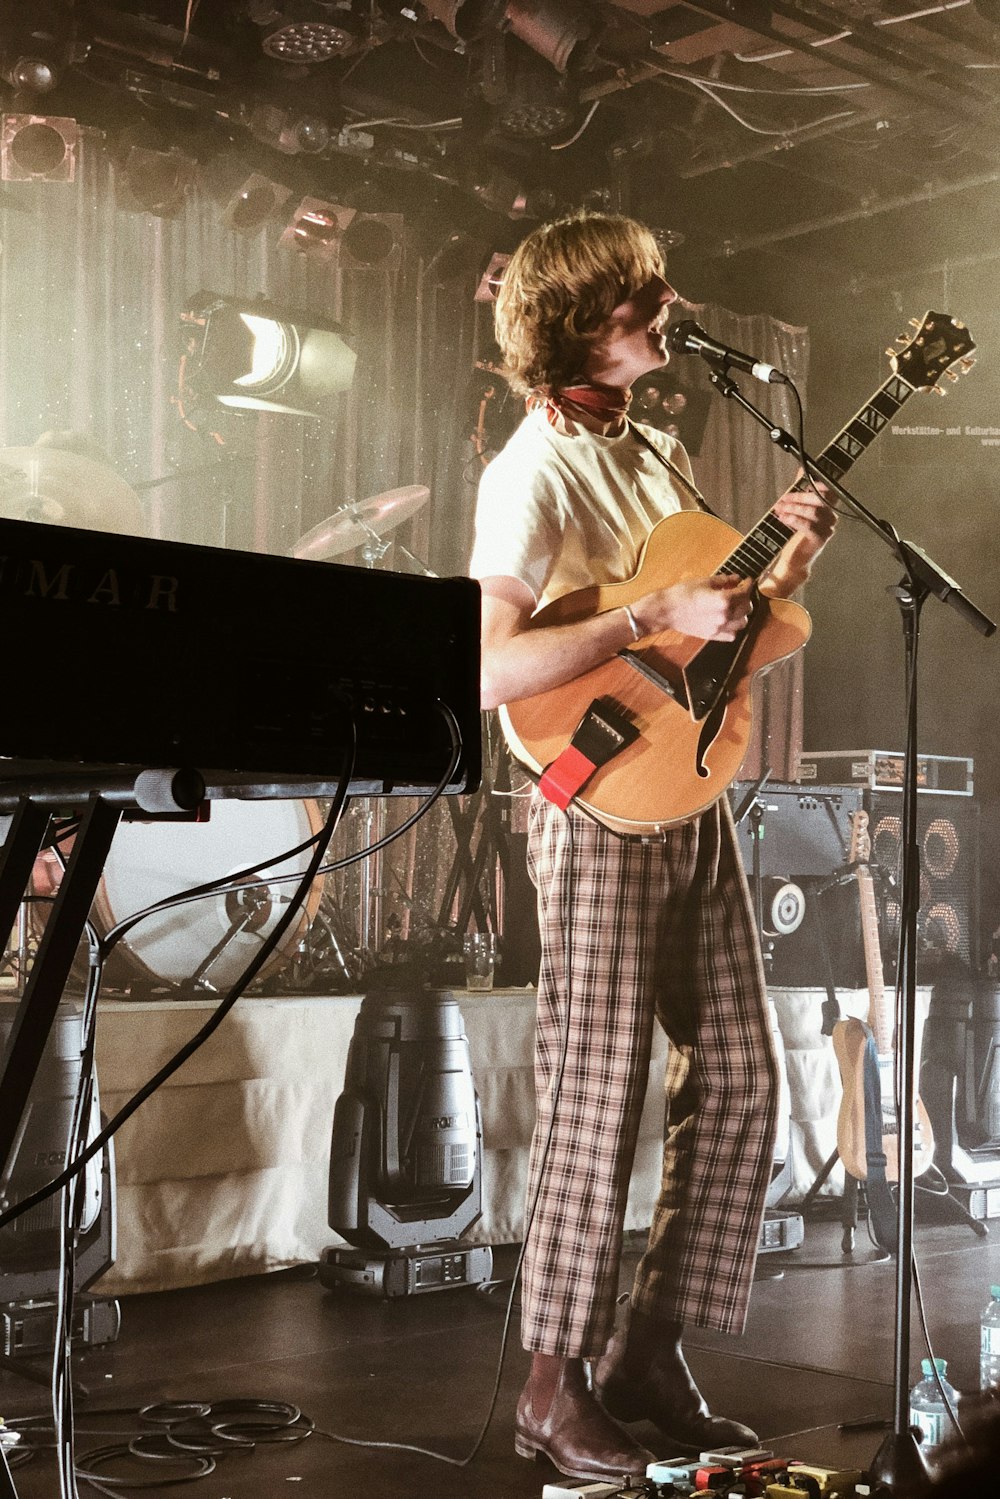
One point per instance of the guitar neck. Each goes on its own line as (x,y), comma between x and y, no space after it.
(878,1017)
(757,551)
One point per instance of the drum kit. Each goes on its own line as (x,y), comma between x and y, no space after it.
(204,945)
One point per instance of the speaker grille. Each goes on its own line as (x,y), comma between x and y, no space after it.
(947,918)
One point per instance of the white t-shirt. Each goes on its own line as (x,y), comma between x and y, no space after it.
(561,512)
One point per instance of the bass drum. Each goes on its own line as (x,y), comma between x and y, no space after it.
(213,939)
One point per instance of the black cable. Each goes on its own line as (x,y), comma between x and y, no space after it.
(443,1457)
(224,885)
(233,883)
(321,842)
(245,1424)
(218,1015)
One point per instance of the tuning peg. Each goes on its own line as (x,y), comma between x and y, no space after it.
(902,338)
(966,364)
(938,391)
(914,322)
(891,352)
(951,375)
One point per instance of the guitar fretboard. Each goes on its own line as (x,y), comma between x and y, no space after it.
(757,551)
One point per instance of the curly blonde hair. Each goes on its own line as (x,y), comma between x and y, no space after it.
(560,286)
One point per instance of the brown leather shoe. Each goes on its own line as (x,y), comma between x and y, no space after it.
(664,1393)
(576,1435)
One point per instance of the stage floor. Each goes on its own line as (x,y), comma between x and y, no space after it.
(420,1370)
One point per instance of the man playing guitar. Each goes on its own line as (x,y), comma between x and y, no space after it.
(633,929)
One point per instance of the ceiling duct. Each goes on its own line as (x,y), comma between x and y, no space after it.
(530,100)
(552,28)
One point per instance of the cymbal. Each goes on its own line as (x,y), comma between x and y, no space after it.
(66,489)
(353,524)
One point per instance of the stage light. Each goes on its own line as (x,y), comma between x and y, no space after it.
(253,356)
(530,99)
(317,226)
(248,199)
(361,240)
(303,32)
(290,128)
(489,284)
(38,148)
(37,43)
(406,1148)
(151,177)
(371,239)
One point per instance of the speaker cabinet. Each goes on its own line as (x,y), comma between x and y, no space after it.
(811,921)
(948,915)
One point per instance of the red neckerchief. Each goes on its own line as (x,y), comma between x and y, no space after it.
(608,404)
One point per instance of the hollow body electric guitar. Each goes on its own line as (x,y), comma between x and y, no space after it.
(676,710)
(851,1043)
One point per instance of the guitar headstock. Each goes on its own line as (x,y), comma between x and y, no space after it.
(939,342)
(861,842)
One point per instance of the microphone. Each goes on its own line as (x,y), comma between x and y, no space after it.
(686,337)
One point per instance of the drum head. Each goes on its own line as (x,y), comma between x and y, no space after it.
(214,938)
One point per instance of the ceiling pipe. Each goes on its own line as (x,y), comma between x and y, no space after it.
(928,194)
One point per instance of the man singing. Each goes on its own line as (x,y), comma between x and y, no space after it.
(661,929)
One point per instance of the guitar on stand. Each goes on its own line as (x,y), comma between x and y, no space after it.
(867,1128)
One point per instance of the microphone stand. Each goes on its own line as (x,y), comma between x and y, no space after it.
(899,1464)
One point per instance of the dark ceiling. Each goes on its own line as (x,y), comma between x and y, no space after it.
(852,137)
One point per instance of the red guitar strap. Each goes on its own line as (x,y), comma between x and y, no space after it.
(603,732)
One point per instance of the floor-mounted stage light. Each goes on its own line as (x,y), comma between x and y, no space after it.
(255,356)
(406,1151)
(38,148)
(30,1274)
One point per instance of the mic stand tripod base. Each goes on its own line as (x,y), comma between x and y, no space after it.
(900,1467)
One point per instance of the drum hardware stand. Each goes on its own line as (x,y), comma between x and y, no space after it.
(372,894)
(252,908)
(899,1464)
(751,806)
(468,866)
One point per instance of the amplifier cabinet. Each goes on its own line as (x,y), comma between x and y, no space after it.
(809,902)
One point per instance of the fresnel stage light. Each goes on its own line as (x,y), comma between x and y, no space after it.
(254,356)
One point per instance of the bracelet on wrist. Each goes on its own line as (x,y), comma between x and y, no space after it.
(633,623)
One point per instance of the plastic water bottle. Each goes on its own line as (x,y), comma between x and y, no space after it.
(928,1410)
(989,1343)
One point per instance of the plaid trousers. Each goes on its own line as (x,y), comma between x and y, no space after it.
(661,929)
